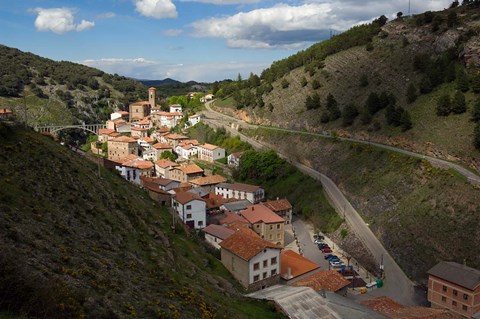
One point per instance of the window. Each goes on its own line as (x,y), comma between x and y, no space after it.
(444,288)
(465,297)
(273,261)
(465,308)
(189,215)
(271,227)
(189,207)
(265,263)
(200,223)
(278,236)
(278,226)
(274,272)
(256,278)
(264,275)
(444,299)
(454,303)
(455,293)
(256,266)
(257,225)
(270,237)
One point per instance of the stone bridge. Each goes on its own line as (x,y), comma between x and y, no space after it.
(53,129)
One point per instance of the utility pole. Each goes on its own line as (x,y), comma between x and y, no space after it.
(408,7)
(381,267)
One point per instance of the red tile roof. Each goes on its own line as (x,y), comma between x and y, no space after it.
(148,139)
(164,163)
(190,168)
(246,245)
(241,187)
(232,217)
(5,111)
(123,139)
(138,163)
(175,136)
(139,129)
(141,103)
(278,205)
(259,213)
(298,264)
(186,197)
(209,146)
(161,146)
(208,180)
(105,131)
(330,280)
(218,231)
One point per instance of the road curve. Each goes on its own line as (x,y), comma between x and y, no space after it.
(397,285)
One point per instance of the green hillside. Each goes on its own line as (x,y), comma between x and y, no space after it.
(77,246)
(380,82)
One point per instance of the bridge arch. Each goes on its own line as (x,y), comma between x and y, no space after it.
(74,127)
(53,129)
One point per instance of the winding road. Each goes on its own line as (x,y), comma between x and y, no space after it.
(397,285)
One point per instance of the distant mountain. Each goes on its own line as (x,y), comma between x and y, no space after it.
(156,83)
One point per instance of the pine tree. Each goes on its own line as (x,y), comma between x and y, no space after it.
(411,93)
(324,118)
(459,104)
(365,116)
(444,105)
(462,80)
(405,120)
(373,104)
(476,111)
(349,114)
(476,136)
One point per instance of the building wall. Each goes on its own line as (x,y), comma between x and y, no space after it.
(274,232)
(212,240)
(138,112)
(163,199)
(194,210)
(130,174)
(268,265)
(236,266)
(441,294)
(254,198)
(120,150)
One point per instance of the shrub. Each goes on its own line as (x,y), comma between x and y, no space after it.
(443,105)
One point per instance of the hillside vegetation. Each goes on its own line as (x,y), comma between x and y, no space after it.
(74,245)
(422,214)
(383,81)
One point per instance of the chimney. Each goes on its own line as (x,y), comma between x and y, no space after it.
(289,273)
(152,96)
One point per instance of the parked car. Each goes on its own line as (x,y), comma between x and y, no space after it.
(336,264)
(326,250)
(372,284)
(323,245)
(328,256)
(318,241)
(332,257)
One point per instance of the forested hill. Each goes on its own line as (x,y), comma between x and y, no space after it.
(62,92)
(412,82)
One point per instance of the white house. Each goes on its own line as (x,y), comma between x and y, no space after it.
(210,153)
(254,262)
(206,98)
(191,209)
(131,170)
(119,115)
(163,166)
(254,194)
(175,108)
(233,160)
(186,151)
(194,119)
(215,234)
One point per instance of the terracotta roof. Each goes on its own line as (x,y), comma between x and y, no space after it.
(143,122)
(123,139)
(158,181)
(175,136)
(245,245)
(298,264)
(208,180)
(141,103)
(186,197)
(139,129)
(161,146)
(209,146)
(138,163)
(129,157)
(457,273)
(176,114)
(196,115)
(186,147)
(164,163)
(5,111)
(123,112)
(240,187)
(148,139)
(391,309)
(156,189)
(163,130)
(114,134)
(105,131)
(190,169)
(218,231)
(278,205)
(192,142)
(230,218)
(329,280)
(214,200)
(259,213)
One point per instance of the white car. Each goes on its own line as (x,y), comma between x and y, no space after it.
(372,284)
(336,264)
(318,241)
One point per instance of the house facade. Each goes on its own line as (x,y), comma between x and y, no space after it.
(133,170)
(254,262)
(194,119)
(175,108)
(139,110)
(281,207)
(455,287)
(210,153)
(266,223)
(215,234)
(191,209)
(185,172)
(120,147)
(163,166)
(254,194)
(233,160)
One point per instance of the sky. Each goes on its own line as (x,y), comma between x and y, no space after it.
(199,40)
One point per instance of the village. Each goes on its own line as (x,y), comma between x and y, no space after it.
(254,236)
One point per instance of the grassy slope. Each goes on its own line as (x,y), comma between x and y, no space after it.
(421,214)
(74,245)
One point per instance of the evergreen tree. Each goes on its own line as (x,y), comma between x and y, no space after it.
(411,93)
(349,114)
(444,105)
(373,104)
(332,107)
(425,85)
(365,116)
(476,111)
(459,104)
(476,84)
(315,84)
(324,118)
(393,115)
(363,80)
(405,120)
(476,136)
(462,80)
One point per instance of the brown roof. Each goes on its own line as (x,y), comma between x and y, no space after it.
(218,231)
(457,273)
(186,197)
(190,168)
(240,187)
(114,134)
(105,131)
(138,163)
(208,180)
(157,181)
(298,264)
(259,213)
(123,139)
(209,146)
(143,122)
(245,245)
(161,146)
(148,139)
(175,136)
(391,309)
(139,129)
(230,218)
(5,111)
(164,163)
(141,103)
(278,205)
(329,280)
(129,157)
(163,130)
(122,112)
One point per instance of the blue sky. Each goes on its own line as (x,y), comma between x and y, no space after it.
(200,40)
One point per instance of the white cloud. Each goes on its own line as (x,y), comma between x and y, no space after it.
(59,20)
(106,15)
(172,32)
(158,9)
(141,68)
(287,26)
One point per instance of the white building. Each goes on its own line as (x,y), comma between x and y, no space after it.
(186,151)
(233,160)
(254,194)
(215,234)
(175,108)
(210,153)
(194,119)
(131,170)
(191,209)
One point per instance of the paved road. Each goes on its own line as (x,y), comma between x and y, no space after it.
(397,285)
(471,176)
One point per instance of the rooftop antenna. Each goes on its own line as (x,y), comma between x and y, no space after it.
(408,7)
